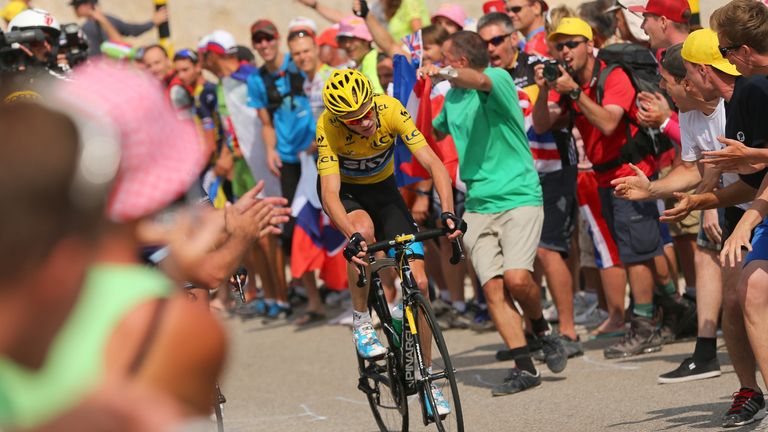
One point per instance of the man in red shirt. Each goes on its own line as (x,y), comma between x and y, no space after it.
(528,18)
(610,144)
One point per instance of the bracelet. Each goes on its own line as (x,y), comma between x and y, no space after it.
(422,192)
(664,124)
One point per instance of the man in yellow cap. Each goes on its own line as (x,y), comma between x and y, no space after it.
(744,302)
(603,127)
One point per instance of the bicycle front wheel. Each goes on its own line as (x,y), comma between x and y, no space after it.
(437,370)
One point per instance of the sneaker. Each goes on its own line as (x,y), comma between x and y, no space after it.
(572,347)
(367,343)
(440,307)
(277,311)
(550,314)
(253,309)
(591,318)
(641,338)
(691,371)
(679,316)
(748,405)
(584,302)
(555,355)
(453,320)
(482,322)
(443,407)
(517,381)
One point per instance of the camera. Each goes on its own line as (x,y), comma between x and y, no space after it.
(551,70)
(12,57)
(73,44)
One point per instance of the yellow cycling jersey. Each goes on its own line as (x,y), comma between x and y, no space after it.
(365,160)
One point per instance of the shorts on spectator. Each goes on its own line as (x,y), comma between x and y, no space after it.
(559,191)
(759,250)
(689,225)
(503,241)
(586,245)
(605,251)
(634,225)
(702,240)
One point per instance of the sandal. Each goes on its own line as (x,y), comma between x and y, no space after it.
(310,317)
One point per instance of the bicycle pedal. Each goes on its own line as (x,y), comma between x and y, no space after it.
(363,386)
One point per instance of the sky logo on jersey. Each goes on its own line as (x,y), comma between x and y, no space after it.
(367,166)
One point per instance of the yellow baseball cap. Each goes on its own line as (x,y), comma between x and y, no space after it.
(572,27)
(701,47)
(12,9)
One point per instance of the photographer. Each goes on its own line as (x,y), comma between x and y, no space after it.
(607,144)
(39,52)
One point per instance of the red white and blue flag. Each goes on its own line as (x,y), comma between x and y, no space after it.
(317,245)
(422,103)
(415,46)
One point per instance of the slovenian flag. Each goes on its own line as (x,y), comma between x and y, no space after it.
(316,245)
(423,103)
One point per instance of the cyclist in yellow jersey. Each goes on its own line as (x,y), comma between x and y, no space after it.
(356,142)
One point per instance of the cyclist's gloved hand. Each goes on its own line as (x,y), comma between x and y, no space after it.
(458,224)
(354,246)
(362,12)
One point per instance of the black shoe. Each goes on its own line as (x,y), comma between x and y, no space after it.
(641,338)
(555,355)
(517,381)
(572,347)
(691,371)
(748,406)
(679,316)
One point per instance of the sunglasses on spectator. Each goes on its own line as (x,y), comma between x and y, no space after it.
(515,9)
(261,37)
(300,34)
(570,44)
(725,50)
(358,121)
(498,40)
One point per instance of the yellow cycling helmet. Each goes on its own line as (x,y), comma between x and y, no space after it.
(346,91)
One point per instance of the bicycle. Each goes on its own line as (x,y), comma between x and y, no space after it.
(404,370)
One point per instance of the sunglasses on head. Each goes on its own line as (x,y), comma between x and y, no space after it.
(725,50)
(358,121)
(498,40)
(261,37)
(570,44)
(299,34)
(514,9)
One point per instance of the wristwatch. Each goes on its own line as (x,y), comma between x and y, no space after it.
(575,94)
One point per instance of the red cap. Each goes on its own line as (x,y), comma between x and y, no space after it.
(266,27)
(494,6)
(328,37)
(673,10)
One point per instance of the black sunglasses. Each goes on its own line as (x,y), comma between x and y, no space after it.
(299,34)
(570,44)
(498,40)
(515,9)
(260,37)
(725,50)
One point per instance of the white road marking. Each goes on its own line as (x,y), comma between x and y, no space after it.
(343,399)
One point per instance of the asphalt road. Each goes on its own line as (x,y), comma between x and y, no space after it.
(280,378)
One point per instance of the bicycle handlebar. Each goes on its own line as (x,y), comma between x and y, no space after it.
(457,254)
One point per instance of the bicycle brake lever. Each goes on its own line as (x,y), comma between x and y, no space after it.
(458,253)
(361,279)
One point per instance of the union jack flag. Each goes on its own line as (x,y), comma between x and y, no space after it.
(415,47)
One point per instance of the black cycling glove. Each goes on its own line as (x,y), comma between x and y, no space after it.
(353,247)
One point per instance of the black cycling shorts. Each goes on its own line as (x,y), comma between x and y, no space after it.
(384,204)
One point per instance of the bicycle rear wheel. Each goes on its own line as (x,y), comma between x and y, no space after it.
(441,375)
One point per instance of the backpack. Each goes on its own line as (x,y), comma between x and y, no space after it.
(274,97)
(641,67)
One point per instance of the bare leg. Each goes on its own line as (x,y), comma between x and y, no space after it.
(560,283)
(709,291)
(686,250)
(504,314)
(754,301)
(734,331)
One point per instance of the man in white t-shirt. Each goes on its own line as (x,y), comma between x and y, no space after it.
(701,122)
